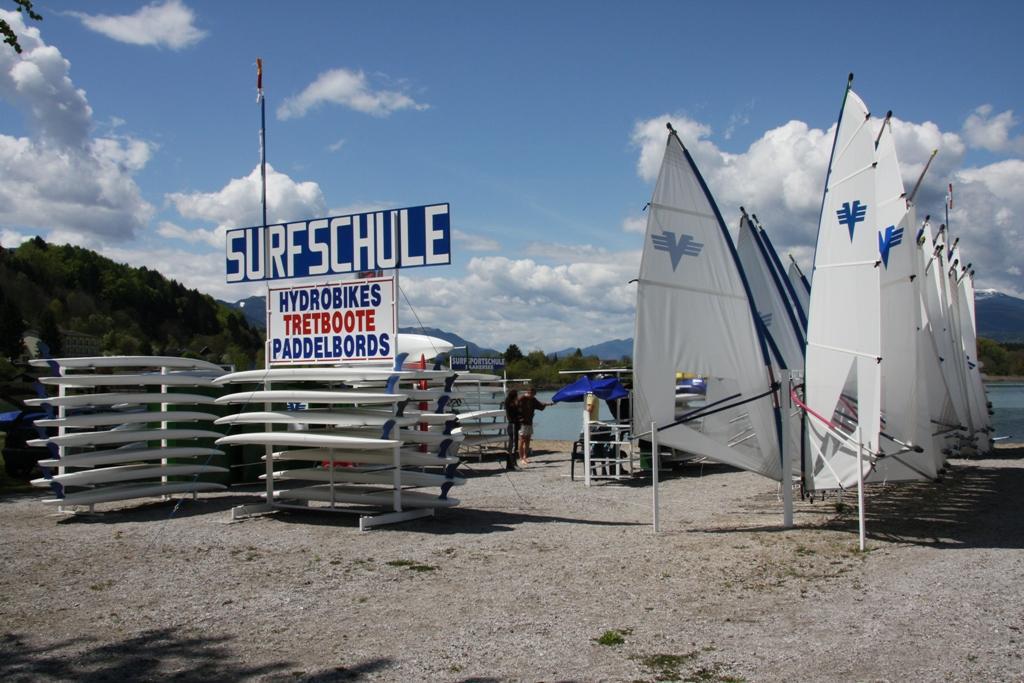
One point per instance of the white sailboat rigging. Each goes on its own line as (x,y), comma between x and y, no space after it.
(842,374)
(694,315)
(904,382)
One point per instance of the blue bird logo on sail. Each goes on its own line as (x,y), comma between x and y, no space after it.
(852,214)
(677,248)
(892,237)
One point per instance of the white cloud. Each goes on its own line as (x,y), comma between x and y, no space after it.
(349,89)
(532,304)
(214,238)
(61,178)
(985,131)
(237,204)
(205,273)
(472,242)
(781,175)
(10,239)
(336,146)
(987,216)
(637,224)
(168,24)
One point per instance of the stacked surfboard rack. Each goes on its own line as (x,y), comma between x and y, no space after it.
(348,438)
(127,428)
(480,412)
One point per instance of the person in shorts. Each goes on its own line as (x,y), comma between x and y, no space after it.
(527,405)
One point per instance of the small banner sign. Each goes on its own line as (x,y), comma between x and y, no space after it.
(331,323)
(378,240)
(477,363)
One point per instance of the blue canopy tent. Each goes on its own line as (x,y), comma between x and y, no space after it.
(608,389)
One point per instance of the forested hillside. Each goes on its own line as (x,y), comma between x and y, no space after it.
(45,287)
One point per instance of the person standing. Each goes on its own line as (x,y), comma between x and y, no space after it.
(512,417)
(527,405)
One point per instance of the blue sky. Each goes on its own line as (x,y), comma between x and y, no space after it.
(132,128)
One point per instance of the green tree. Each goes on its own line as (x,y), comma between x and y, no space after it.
(8,33)
(12,331)
(49,333)
(512,354)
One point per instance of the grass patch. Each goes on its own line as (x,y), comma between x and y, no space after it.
(671,668)
(412,565)
(664,667)
(614,636)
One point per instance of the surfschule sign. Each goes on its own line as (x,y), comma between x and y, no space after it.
(351,321)
(379,240)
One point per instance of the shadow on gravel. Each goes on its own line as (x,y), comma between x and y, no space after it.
(974,506)
(153,655)
(458,520)
(161,511)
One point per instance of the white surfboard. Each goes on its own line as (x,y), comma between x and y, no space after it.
(129,362)
(429,438)
(121,398)
(360,496)
(315,439)
(407,457)
(124,417)
(416,345)
(479,415)
(304,396)
(361,476)
(124,380)
(107,475)
(476,377)
(479,427)
(330,374)
(123,436)
(115,456)
(109,494)
(316,417)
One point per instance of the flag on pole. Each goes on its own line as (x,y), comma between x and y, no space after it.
(949,197)
(259,79)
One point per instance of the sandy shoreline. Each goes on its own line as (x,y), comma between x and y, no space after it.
(522,581)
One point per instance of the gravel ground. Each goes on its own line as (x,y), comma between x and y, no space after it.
(533,578)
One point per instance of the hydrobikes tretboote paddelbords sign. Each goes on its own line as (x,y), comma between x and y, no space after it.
(377,240)
(330,323)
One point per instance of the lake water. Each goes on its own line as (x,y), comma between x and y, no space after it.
(1008,406)
(564,420)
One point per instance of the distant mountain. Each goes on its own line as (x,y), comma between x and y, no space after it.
(1000,316)
(609,350)
(253,308)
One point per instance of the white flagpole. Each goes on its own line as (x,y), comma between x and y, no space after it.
(860,487)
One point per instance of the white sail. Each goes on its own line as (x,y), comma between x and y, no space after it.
(694,315)
(904,382)
(956,336)
(941,409)
(779,320)
(791,293)
(842,376)
(946,334)
(983,421)
(801,286)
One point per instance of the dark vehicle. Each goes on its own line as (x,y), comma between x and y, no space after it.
(20,458)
